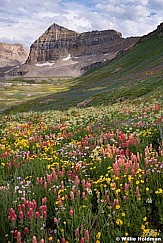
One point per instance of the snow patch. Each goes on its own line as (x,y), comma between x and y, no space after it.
(67,58)
(44,64)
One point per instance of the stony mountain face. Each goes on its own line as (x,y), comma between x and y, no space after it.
(58,42)
(12,54)
(63,52)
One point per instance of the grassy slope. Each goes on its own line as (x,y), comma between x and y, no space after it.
(136,73)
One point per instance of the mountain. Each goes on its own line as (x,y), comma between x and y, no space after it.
(12,54)
(63,52)
(132,75)
(58,42)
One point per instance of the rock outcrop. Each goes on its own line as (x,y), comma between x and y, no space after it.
(157,32)
(58,42)
(12,54)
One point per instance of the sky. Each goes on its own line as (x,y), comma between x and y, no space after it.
(23,21)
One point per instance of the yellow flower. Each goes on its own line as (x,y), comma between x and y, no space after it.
(146,231)
(155,233)
(98,235)
(119,222)
(117,206)
(116,178)
(145,219)
(97,241)
(137,182)
(50,238)
(142,227)
(159,191)
(108,180)
(147,189)
(64,222)
(126,234)
(117,191)
(123,214)
(62,231)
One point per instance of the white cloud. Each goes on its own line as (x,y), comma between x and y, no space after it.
(24,21)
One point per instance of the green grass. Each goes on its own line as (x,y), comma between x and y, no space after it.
(19,93)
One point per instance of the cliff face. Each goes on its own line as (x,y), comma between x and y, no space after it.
(58,42)
(12,54)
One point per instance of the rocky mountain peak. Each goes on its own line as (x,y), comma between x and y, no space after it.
(58,42)
(57,28)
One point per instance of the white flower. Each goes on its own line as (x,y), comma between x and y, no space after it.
(149,200)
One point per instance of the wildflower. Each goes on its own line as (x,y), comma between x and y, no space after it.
(117,191)
(98,235)
(77,232)
(87,235)
(159,191)
(146,231)
(34,239)
(89,191)
(117,206)
(56,220)
(124,198)
(37,215)
(130,178)
(143,227)
(82,240)
(149,200)
(44,200)
(26,230)
(71,212)
(21,215)
(123,214)
(137,192)
(145,219)
(147,189)
(72,195)
(119,222)
(63,240)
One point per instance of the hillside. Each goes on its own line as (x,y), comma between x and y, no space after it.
(134,73)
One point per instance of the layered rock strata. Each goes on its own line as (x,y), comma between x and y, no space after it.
(58,42)
(12,54)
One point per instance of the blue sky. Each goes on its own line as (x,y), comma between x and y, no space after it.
(23,21)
